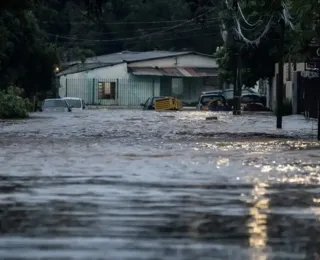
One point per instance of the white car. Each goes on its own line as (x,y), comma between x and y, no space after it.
(75,103)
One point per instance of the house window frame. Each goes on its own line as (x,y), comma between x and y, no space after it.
(107,90)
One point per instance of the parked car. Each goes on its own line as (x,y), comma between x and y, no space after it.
(213,102)
(149,104)
(228,94)
(252,102)
(168,103)
(55,105)
(218,92)
(75,102)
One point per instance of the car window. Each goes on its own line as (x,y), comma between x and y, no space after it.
(76,103)
(206,99)
(147,102)
(228,94)
(250,98)
(54,103)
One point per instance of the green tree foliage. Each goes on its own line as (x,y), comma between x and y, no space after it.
(26,57)
(258,61)
(117,25)
(12,104)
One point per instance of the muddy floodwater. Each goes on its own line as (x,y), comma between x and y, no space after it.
(130,184)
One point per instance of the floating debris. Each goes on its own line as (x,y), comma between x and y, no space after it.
(212,118)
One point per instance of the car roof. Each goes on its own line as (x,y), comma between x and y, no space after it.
(211,95)
(212,91)
(75,98)
(49,99)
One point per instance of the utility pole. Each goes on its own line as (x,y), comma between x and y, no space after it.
(239,82)
(235,81)
(280,78)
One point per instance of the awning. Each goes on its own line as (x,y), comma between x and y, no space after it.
(174,71)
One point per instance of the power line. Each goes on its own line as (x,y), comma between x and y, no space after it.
(145,29)
(120,39)
(134,38)
(124,23)
(166,39)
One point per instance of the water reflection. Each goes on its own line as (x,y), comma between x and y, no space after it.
(57,218)
(257,225)
(90,187)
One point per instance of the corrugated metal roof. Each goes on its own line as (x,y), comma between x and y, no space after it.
(83,67)
(128,56)
(174,71)
(116,58)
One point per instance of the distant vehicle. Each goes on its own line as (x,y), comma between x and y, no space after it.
(75,103)
(55,105)
(168,103)
(218,92)
(149,104)
(213,102)
(252,102)
(228,94)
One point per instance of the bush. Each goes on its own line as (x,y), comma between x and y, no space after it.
(12,104)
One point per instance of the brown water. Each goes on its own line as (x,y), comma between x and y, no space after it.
(143,185)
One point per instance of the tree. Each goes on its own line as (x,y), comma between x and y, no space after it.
(27,59)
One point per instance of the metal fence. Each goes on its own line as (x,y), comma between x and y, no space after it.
(129,92)
(109,92)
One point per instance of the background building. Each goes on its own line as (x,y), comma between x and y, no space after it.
(129,78)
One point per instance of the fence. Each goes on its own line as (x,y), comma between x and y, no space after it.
(110,92)
(130,92)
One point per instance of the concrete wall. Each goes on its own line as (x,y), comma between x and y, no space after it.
(190,60)
(288,81)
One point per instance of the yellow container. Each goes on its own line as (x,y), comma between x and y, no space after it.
(168,103)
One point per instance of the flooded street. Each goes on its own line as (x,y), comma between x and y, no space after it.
(126,184)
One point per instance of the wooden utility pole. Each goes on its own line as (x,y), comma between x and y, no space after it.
(280,78)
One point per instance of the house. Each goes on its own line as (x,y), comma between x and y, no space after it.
(129,78)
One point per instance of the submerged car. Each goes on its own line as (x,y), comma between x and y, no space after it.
(252,102)
(168,103)
(55,105)
(213,102)
(76,103)
(149,104)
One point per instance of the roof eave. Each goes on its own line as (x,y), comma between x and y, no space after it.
(63,73)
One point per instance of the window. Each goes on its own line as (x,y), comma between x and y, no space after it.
(214,98)
(76,103)
(107,90)
(250,99)
(54,103)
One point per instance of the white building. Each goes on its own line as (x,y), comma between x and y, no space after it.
(129,78)
(291,87)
